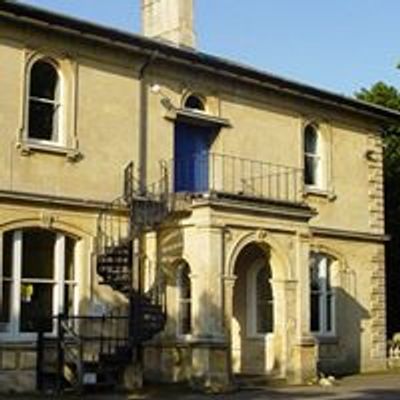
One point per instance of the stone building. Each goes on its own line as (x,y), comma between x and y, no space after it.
(142,178)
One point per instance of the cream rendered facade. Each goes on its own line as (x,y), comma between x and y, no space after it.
(107,105)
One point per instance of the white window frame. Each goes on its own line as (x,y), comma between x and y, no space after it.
(251,310)
(323,263)
(13,332)
(61,137)
(317,157)
(180,301)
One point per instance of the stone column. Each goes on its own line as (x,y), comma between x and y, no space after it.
(210,350)
(285,325)
(304,350)
(228,286)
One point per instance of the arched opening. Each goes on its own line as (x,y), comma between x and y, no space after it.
(184,293)
(39,280)
(312,156)
(322,302)
(194,102)
(44,102)
(260,288)
(253,311)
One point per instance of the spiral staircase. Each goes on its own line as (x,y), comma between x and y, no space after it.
(94,351)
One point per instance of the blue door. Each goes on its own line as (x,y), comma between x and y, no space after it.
(191,157)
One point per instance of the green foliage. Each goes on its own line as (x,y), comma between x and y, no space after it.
(383,95)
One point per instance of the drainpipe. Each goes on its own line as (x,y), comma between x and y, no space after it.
(142,162)
(143,128)
(138,243)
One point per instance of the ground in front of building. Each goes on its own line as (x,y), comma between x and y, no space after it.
(365,387)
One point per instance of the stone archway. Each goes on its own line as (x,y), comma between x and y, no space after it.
(259,272)
(253,312)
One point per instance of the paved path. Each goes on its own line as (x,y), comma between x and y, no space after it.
(367,387)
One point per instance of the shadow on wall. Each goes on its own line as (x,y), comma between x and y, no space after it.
(342,354)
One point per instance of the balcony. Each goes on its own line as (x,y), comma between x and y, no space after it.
(227,176)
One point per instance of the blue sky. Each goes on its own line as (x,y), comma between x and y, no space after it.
(340,45)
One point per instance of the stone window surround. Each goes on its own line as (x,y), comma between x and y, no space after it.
(324,130)
(13,334)
(180,268)
(324,335)
(67,144)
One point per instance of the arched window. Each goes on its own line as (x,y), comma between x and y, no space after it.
(38,282)
(260,295)
(322,294)
(44,102)
(312,156)
(184,300)
(194,102)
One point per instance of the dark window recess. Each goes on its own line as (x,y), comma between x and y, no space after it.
(264,299)
(6,280)
(194,103)
(185,301)
(311,156)
(44,104)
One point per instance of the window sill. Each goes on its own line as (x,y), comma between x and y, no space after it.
(310,191)
(326,339)
(260,337)
(26,339)
(29,147)
(184,339)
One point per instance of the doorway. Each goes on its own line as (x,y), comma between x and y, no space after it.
(253,323)
(191,157)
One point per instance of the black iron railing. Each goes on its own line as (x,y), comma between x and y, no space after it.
(83,345)
(112,225)
(225,174)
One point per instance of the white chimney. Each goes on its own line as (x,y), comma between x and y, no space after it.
(169,20)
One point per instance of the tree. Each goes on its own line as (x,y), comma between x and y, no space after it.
(388,96)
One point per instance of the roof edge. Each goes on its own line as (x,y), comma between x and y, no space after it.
(116,37)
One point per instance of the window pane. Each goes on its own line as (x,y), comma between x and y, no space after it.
(5,303)
(269,326)
(314,275)
(329,304)
(328,274)
(310,140)
(264,306)
(194,103)
(36,307)
(69,259)
(7,254)
(41,120)
(69,299)
(185,317)
(185,294)
(44,80)
(315,313)
(310,171)
(38,254)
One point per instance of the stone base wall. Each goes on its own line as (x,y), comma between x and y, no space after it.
(204,366)
(17,369)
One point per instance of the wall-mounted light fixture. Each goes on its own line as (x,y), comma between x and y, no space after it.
(165,99)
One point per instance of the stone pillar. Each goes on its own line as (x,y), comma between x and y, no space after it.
(210,349)
(285,323)
(229,284)
(304,350)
